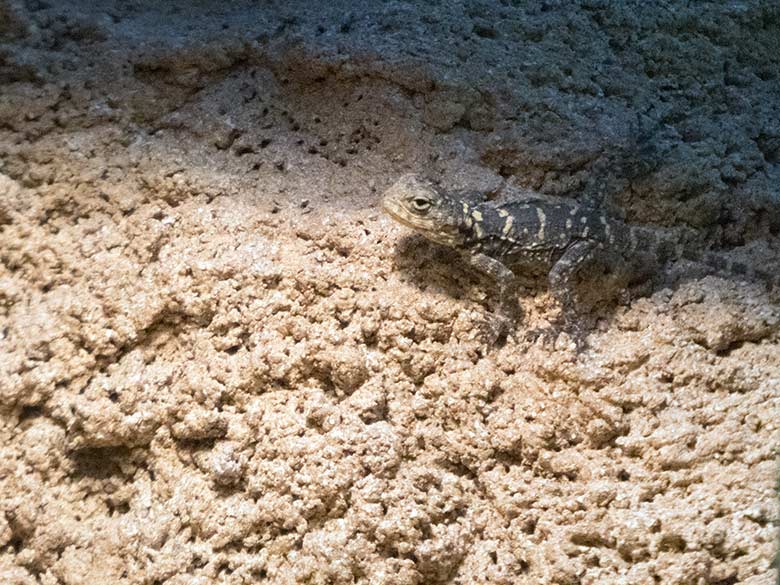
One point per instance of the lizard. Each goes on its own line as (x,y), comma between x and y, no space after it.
(561,240)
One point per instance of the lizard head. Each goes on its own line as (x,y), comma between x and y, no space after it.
(419,205)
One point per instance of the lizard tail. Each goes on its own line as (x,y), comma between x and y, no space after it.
(664,245)
(668,245)
(721,263)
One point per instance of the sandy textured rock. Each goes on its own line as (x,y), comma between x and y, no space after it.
(220,363)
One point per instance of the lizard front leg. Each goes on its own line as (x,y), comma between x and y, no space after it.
(493,268)
(503,277)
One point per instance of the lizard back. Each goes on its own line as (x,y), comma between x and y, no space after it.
(536,232)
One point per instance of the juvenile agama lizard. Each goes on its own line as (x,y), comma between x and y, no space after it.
(557,239)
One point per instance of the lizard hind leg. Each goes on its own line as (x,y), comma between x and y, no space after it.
(562,278)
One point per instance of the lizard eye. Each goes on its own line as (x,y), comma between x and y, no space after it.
(421,204)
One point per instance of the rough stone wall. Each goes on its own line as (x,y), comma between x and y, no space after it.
(220,363)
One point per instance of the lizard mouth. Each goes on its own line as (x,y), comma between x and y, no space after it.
(397,211)
(424,225)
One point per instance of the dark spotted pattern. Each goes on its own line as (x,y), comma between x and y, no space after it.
(532,236)
(536,234)
(556,239)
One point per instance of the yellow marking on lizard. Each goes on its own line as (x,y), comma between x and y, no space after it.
(503,212)
(542,222)
(476,215)
(508,225)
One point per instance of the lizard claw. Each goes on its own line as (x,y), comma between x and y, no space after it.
(576,334)
(559,338)
(543,335)
(499,326)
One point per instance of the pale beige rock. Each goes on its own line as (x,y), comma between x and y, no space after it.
(220,363)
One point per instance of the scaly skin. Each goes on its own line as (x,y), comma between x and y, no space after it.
(559,240)
(537,237)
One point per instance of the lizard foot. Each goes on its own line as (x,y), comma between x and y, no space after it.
(559,338)
(544,336)
(498,326)
(576,333)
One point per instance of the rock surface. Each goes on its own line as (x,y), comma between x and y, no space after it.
(220,363)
